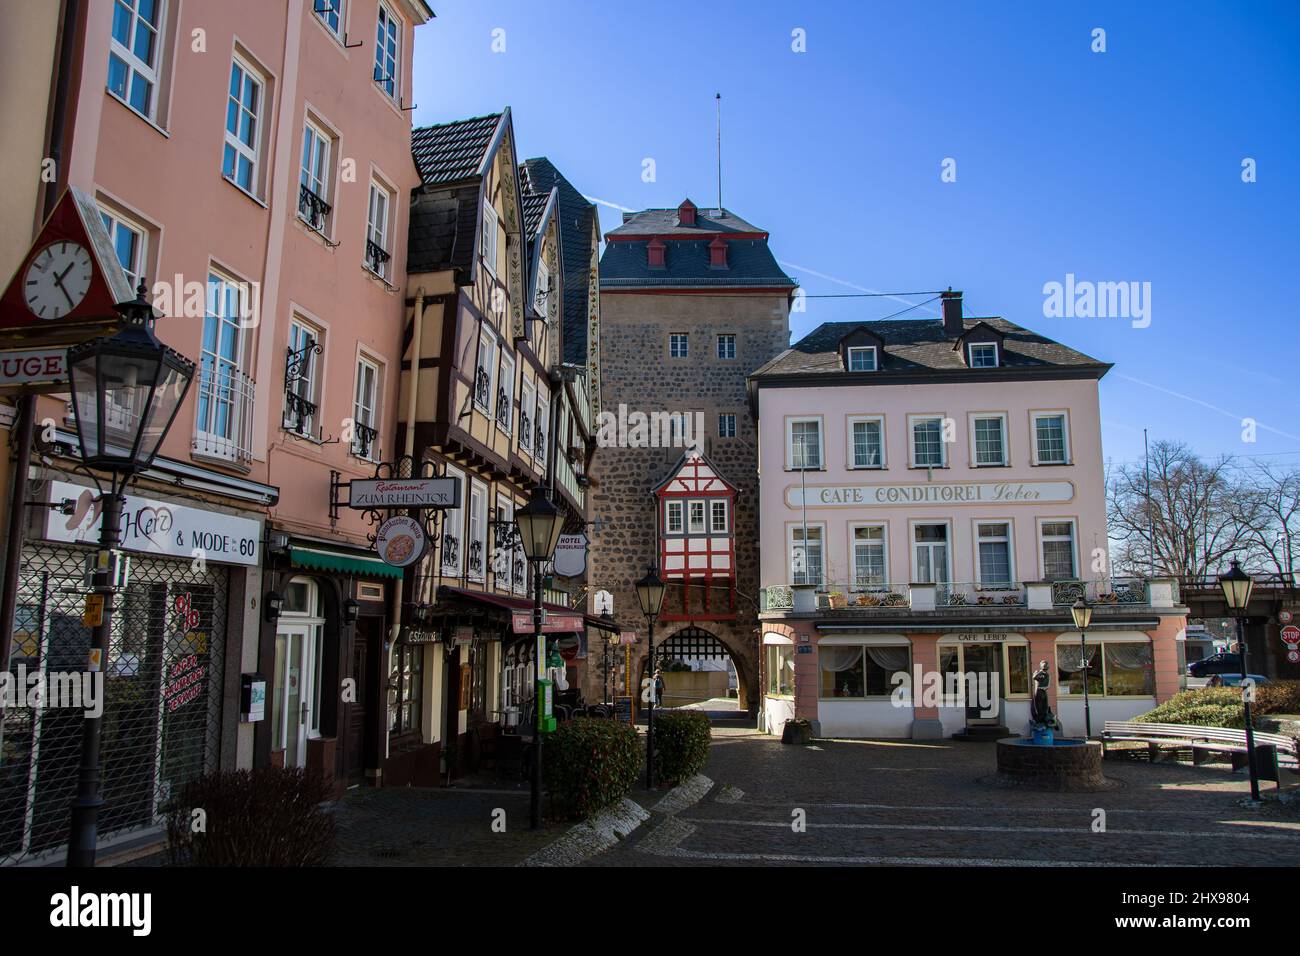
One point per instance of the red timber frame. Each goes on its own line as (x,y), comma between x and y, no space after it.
(697,594)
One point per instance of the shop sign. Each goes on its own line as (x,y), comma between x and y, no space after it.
(184,682)
(982,637)
(401,541)
(932,493)
(34,367)
(404,493)
(571,555)
(150,526)
(522,622)
(422,637)
(603,603)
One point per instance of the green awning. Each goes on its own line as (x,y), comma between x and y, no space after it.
(319,559)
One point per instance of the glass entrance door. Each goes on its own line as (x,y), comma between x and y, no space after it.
(984,699)
(931,541)
(293,707)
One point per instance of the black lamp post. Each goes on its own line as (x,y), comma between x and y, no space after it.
(1082,618)
(540,524)
(126,390)
(1237,586)
(611,640)
(650,592)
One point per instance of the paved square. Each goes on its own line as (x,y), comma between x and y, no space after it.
(932,803)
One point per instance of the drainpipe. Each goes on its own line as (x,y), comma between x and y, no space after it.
(408,448)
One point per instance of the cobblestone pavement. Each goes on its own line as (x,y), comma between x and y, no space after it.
(934,803)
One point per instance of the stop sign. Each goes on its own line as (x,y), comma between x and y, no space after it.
(1291,634)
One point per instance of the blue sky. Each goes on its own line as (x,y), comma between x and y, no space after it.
(1117,166)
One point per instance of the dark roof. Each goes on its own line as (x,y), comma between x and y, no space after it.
(534,206)
(663,222)
(921,346)
(452,152)
(577,217)
(750,263)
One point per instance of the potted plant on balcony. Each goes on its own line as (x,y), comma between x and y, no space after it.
(837,600)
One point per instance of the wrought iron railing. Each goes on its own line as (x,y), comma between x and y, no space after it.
(503,408)
(298,413)
(476,558)
(539,443)
(312,208)
(1103,591)
(223,427)
(450,550)
(977,594)
(482,387)
(525,429)
(364,439)
(377,258)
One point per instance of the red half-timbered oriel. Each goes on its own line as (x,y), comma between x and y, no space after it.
(697,544)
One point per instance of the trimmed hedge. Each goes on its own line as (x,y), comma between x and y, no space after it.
(270,816)
(589,763)
(1221,706)
(681,746)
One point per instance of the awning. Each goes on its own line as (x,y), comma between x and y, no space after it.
(496,600)
(324,559)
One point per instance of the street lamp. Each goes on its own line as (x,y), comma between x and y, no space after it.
(1082,618)
(1237,586)
(539,523)
(126,390)
(611,640)
(650,592)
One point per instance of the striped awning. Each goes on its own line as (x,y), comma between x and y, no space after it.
(325,559)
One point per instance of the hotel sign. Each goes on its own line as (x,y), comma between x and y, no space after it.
(931,493)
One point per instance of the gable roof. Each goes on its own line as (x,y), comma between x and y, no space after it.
(663,222)
(578,222)
(921,349)
(455,151)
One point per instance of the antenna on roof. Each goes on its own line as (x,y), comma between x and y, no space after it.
(718,98)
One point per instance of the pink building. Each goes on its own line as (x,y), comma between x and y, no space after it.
(251,162)
(932,502)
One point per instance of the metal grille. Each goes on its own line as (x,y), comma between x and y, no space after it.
(161,695)
(691,642)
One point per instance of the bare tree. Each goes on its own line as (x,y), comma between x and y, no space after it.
(1193,519)
(1270,514)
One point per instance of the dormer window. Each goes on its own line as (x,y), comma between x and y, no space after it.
(655,249)
(718,253)
(862,358)
(982,355)
(686,213)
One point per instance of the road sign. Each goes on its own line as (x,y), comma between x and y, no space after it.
(1285,616)
(1293,656)
(93,615)
(404,493)
(1291,635)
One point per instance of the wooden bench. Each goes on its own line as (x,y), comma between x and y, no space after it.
(1273,752)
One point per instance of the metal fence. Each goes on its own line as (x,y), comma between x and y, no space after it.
(161,695)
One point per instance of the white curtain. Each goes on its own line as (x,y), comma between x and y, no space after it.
(890,659)
(838,659)
(1128,656)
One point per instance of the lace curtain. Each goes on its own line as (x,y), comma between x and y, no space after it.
(889,659)
(1128,656)
(836,659)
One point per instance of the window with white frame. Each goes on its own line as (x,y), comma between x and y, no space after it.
(727,425)
(994,553)
(388,57)
(330,13)
(990,440)
(453,529)
(726,346)
(861,671)
(673,511)
(224,403)
(129,242)
(679,345)
(541,294)
(527,409)
(868,442)
(543,430)
(1115,668)
(365,411)
(869,569)
(806,565)
(477,557)
(718,517)
(506,393)
(1051,439)
(982,355)
(804,444)
(135,53)
(490,238)
(862,358)
(485,374)
(244,108)
(927,443)
(314,176)
(695,510)
(301,371)
(377,229)
(1058,550)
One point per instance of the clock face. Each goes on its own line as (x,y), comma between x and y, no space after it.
(57,280)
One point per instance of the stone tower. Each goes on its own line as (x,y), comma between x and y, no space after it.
(692,302)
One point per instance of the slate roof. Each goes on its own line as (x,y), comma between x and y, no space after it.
(922,346)
(452,152)
(663,222)
(577,217)
(750,263)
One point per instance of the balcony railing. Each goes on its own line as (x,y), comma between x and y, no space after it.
(450,550)
(363,441)
(482,388)
(1114,591)
(377,258)
(503,408)
(298,413)
(312,208)
(979,595)
(224,424)
(946,596)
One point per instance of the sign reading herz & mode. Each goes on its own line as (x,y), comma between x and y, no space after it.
(404,493)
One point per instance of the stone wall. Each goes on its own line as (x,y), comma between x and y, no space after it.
(638,372)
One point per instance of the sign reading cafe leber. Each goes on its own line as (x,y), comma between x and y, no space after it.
(937,493)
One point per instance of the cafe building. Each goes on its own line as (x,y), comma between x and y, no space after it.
(932,506)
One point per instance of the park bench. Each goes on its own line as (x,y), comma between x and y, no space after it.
(1273,752)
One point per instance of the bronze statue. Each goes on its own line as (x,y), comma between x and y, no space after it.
(1040,712)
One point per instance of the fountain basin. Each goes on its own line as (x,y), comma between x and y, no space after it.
(1068,763)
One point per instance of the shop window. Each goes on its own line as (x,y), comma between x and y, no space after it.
(780,670)
(406,689)
(1115,669)
(860,672)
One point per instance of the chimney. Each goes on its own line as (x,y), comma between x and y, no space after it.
(952,324)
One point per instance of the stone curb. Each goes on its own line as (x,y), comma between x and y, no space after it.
(615,823)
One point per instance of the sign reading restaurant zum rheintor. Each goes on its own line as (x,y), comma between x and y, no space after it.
(404,493)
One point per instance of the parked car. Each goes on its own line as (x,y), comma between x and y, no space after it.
(1234,680)
(1224,662)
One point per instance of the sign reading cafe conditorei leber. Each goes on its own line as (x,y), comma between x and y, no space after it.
(936,493)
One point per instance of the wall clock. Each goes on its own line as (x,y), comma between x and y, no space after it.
(57,279)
